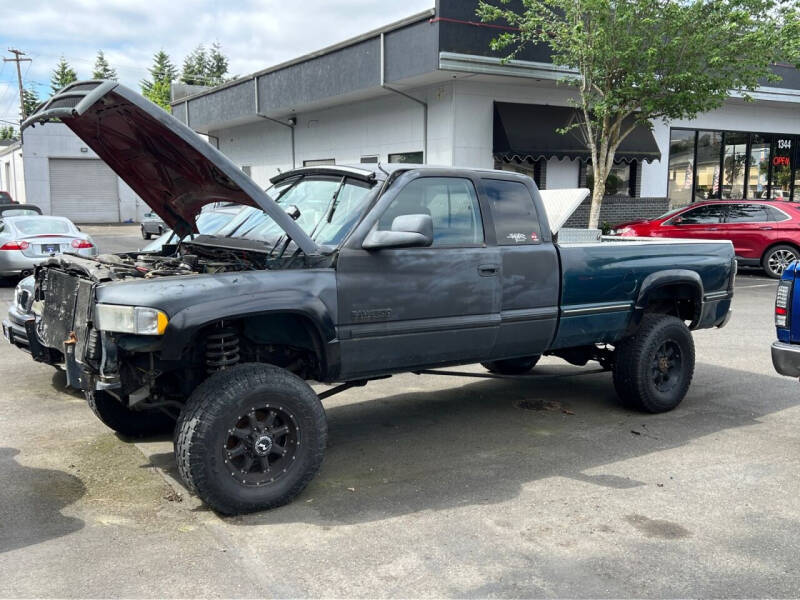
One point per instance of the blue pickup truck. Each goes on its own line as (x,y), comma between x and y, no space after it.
(340,275)
(786,351)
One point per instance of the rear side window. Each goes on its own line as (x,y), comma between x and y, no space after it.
(702,215)
(747,213)
(515,219)
(775,214)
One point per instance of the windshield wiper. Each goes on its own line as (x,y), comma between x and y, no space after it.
(329,210)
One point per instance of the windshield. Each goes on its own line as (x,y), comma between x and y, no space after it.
(207,223)
(41,225)
(327,208)
(18,212)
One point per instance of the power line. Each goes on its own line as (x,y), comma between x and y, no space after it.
(17,54)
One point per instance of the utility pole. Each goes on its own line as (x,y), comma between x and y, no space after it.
(17,59)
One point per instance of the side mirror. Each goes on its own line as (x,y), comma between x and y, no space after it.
(408,231)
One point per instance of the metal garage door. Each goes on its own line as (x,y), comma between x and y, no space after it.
(83,190)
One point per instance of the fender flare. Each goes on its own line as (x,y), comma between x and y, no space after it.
(184,325)
(660,279)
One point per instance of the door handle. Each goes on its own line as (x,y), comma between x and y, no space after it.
(713,228)
(766,228)
(488,270)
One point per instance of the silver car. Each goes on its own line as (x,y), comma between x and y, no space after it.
(25,241)
(152,225)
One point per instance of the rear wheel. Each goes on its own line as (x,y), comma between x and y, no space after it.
(127,422)
(777,258)
(654,368)
(512,366)
(250,438)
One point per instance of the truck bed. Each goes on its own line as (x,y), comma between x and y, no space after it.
(602,281)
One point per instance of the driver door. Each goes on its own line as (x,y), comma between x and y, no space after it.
(401,308)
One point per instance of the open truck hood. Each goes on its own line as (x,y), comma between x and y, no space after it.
(174,170)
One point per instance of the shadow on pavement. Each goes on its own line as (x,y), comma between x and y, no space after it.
(31,501)
(474,445)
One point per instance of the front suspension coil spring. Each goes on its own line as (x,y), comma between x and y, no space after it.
(222,350)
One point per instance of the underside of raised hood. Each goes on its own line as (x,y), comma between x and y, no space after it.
(174,170)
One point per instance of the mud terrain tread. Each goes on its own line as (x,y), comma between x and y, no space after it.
(631,364)
(206,409)
(126,422)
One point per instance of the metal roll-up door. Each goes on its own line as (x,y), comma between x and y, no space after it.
(84,190)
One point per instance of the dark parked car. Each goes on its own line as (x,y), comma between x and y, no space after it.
(764,233)
(344,275)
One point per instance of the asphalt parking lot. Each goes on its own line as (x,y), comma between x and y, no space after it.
(431,486)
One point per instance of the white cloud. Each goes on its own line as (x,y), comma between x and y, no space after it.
(254,34)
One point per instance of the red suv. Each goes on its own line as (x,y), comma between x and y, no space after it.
(765,233)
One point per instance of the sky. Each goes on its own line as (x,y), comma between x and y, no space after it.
(254,34)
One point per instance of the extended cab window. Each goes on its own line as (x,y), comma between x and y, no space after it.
(515,218)
(747,213)
(702,215)
(452,204)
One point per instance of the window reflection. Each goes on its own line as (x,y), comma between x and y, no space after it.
(734,163)
(681,167)
(758,173)
(709,146)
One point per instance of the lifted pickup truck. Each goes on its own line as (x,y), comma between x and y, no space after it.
(339,275)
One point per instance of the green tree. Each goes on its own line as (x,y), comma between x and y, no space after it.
(217,65)
(103,70)
(195,67)
(633,61)
(30,100)
(8,133)
(162,73)
(62,76)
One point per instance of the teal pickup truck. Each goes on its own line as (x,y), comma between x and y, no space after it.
(339,274)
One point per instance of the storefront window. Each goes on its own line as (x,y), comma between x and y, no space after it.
(620,181)
(681,167)
(758,171)
(533,169)
(407,157)
(709,146)
(782,152)
(734,163)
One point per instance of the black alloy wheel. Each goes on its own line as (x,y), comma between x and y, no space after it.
(262,445)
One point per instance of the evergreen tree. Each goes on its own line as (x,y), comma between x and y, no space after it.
(195,67)
(30,100)
(102,70)
(217,65)
(163,73)
(62,76)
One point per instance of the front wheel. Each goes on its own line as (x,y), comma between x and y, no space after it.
(777,258)
(250,438)
(145,235)
(127,422)
(512,366)
(653,369)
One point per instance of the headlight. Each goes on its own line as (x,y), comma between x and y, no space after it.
(130,319)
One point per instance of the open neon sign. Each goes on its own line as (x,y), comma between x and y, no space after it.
(781,161)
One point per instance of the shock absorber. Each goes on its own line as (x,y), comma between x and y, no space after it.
(222,349)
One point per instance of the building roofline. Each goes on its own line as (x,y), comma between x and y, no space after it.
(410,20)
(6,149)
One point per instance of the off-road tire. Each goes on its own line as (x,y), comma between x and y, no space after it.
(512,366)
(635,372)
(127,422)
(205,424)
(778,255)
